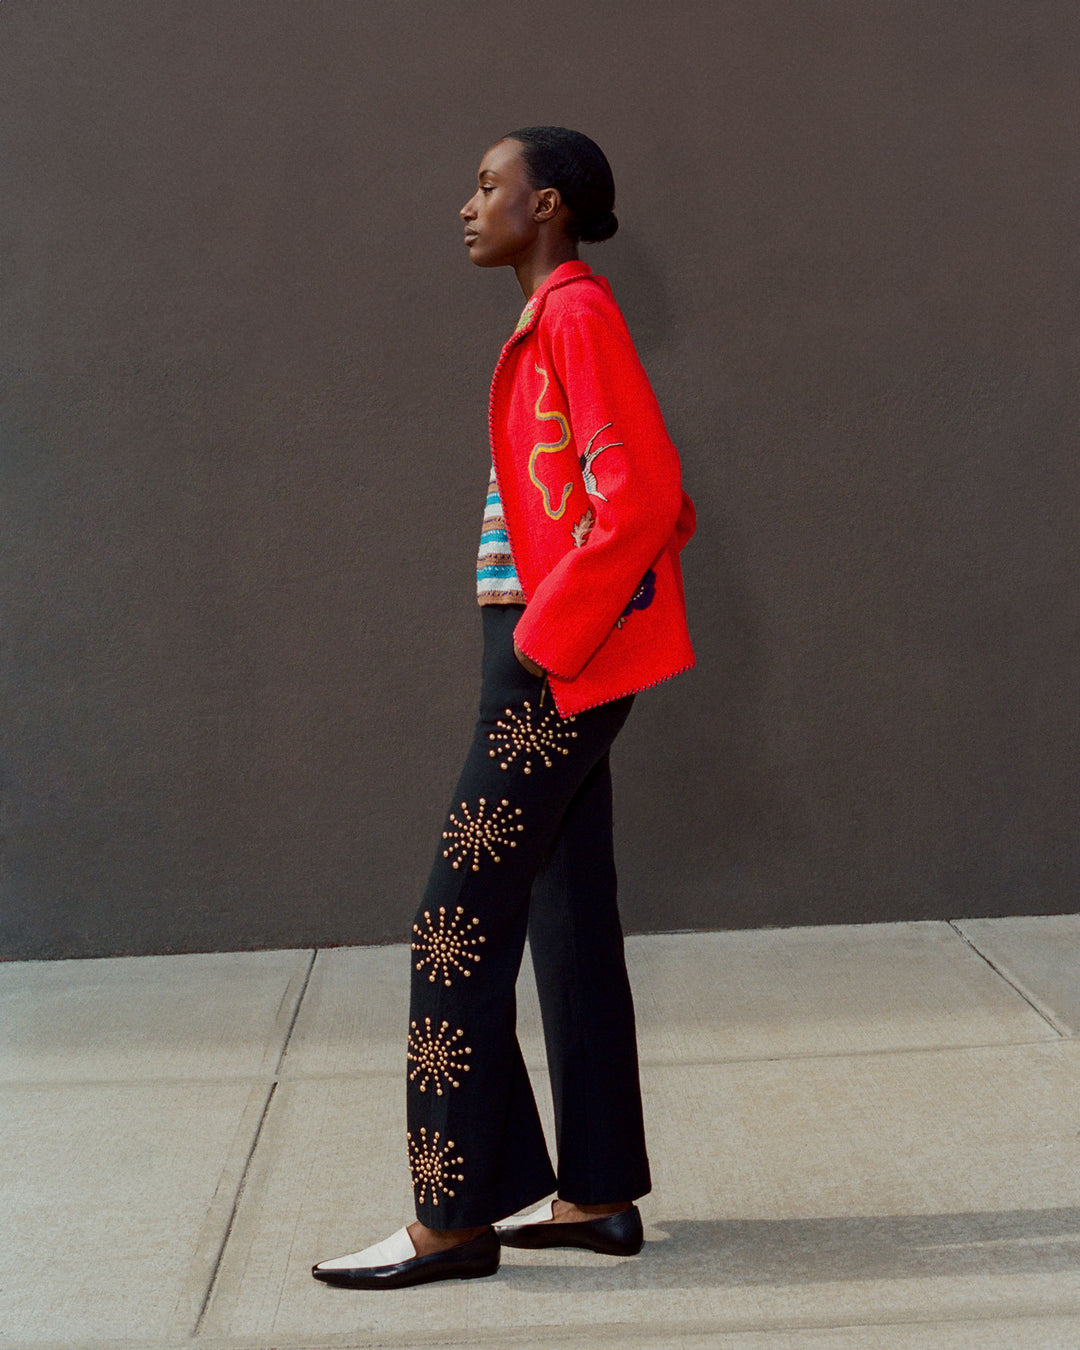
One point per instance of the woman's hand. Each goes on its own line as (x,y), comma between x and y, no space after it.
(527,661)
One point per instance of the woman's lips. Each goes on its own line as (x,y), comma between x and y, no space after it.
(471,236)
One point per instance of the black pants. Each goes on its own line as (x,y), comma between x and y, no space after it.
(527,847)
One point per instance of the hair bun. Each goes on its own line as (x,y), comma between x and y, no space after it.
(603,227)
(557,157)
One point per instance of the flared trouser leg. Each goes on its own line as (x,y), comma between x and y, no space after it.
(476,1146)
(576,944)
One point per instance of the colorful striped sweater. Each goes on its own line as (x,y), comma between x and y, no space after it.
(497,581)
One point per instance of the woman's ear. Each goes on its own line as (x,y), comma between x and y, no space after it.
(548,201)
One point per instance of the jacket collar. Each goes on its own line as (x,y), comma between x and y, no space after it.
(566,272)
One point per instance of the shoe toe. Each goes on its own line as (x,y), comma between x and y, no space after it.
(392,1265)
(390,1252)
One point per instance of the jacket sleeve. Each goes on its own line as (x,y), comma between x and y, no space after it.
(638,491)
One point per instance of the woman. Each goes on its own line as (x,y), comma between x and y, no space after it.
(582,599)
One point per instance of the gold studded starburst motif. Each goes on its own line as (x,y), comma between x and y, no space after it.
(446,946)
(432,1165)
(515,736)
(437,1057)
(486,832)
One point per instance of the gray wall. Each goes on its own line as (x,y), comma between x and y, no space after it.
(244,452)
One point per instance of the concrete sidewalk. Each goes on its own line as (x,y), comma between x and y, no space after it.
(863,1138)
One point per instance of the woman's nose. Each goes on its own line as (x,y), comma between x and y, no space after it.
(466,212)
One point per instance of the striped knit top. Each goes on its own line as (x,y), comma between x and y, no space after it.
(497,581)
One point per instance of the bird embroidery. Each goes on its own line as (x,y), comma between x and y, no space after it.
(581,531)
(586,462)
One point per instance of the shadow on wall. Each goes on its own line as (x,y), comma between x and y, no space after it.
(698,749)
(637,275)
(247,396)
(699,744)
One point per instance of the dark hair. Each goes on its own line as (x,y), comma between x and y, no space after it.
(560,158)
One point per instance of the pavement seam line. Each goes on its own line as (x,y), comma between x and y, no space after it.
(704,1062)
(295,1016)
(625,1334)
(241,1185)
(1045,1013)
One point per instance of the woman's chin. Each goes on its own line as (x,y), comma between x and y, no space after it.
(481,257)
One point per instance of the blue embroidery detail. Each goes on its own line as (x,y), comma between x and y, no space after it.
(642,597)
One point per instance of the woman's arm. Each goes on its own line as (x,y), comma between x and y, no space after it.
(637,496)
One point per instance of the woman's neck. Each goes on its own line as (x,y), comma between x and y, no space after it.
(533,271)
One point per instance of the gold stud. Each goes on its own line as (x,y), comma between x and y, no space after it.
(436,1057)
(479,834)
(447,948)
(518,736)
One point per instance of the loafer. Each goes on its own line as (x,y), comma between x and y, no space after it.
(394,1264)
(612,1234)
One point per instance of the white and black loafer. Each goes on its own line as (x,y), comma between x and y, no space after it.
(541,1214)
(618,1234)
(394,1264)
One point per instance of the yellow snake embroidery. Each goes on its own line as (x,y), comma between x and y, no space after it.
(545,448)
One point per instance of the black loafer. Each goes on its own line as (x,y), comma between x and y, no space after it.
(387,1265)
(613,1234)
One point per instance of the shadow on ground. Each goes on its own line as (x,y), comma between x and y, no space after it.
(736,1252)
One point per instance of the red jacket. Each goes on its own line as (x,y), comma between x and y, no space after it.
(592,497)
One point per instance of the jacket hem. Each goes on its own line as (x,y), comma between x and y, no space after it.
(625,693)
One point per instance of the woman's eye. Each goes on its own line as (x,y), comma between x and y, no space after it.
(488,187)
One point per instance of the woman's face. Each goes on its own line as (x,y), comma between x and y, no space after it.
(500,217)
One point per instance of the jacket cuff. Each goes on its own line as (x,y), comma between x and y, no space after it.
(546,650)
